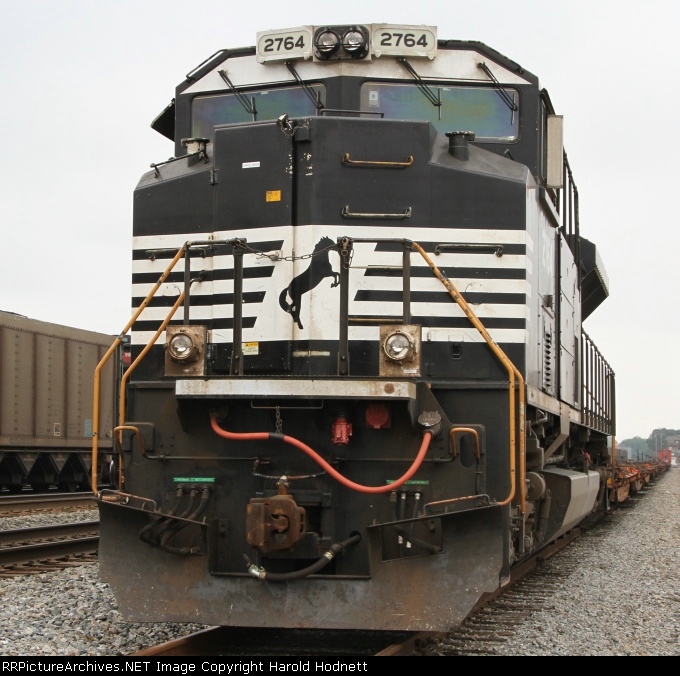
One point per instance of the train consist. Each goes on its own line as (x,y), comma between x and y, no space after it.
(360,388)
(630,478)
(46,394)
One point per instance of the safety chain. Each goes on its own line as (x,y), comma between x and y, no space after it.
(279,422)
(288,477)
(285,478)
(276,257)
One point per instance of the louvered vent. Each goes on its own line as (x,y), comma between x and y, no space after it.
(547,362)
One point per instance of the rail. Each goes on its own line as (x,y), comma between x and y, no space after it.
(515,412)
(183,251)
(567,207)
(597,378)
(513,372)
(28,550)
(30,502)
(107,356)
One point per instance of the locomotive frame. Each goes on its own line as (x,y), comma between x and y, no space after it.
(380,397)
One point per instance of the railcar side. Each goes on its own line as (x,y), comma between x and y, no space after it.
(46,394)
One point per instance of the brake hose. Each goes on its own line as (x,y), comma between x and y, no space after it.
(262,436)
(326,558)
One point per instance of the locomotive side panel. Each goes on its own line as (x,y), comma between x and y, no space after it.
(542,332)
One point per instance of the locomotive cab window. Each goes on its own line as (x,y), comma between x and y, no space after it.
(209,111)
(480,109)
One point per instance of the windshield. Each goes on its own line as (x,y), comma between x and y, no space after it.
(479,109)
(209,111)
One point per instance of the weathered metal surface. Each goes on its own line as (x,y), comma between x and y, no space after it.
(404,593)
(316,389)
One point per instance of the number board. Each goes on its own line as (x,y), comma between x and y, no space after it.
(293,43)
(391,40)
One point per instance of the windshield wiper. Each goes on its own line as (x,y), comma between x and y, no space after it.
(497,86)
(316,100)
(429,94)
(243,100)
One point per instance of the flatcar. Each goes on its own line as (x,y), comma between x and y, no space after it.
(360,389)
(46,394)
(665,455)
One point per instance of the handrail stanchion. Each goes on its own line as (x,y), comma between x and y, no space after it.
(513,372)
(107,356)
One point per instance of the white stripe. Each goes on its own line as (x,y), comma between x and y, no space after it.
(272,322)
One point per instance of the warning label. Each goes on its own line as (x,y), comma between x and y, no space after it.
(251,348)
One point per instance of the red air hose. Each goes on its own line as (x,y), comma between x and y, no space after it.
(252,436)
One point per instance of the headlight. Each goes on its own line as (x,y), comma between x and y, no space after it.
(186,348)
(354,41)
(398,346)
(181,347)
(327,43)
(338,43)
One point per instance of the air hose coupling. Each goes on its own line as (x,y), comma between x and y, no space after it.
(255,571)
(430,421)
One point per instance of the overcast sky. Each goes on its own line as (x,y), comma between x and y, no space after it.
(81,81)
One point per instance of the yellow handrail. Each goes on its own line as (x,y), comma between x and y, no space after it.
(140,356)
(140,441)
(107,356)
(513,372)
(463,430)
(373,163)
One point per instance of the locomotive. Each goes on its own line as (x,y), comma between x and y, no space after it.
(360,390)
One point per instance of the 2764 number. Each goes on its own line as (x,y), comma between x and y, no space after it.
(284,42)
(403,39)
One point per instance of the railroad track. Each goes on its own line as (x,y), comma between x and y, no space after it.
(493,621)
(270,642)
(496,619)
(26,551)
(20,504)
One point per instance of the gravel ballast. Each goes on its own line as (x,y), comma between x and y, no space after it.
(623,596)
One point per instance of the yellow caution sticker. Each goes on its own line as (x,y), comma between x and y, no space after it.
(273,195)
(250,348)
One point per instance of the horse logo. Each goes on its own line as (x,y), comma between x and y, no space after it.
(319,267)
